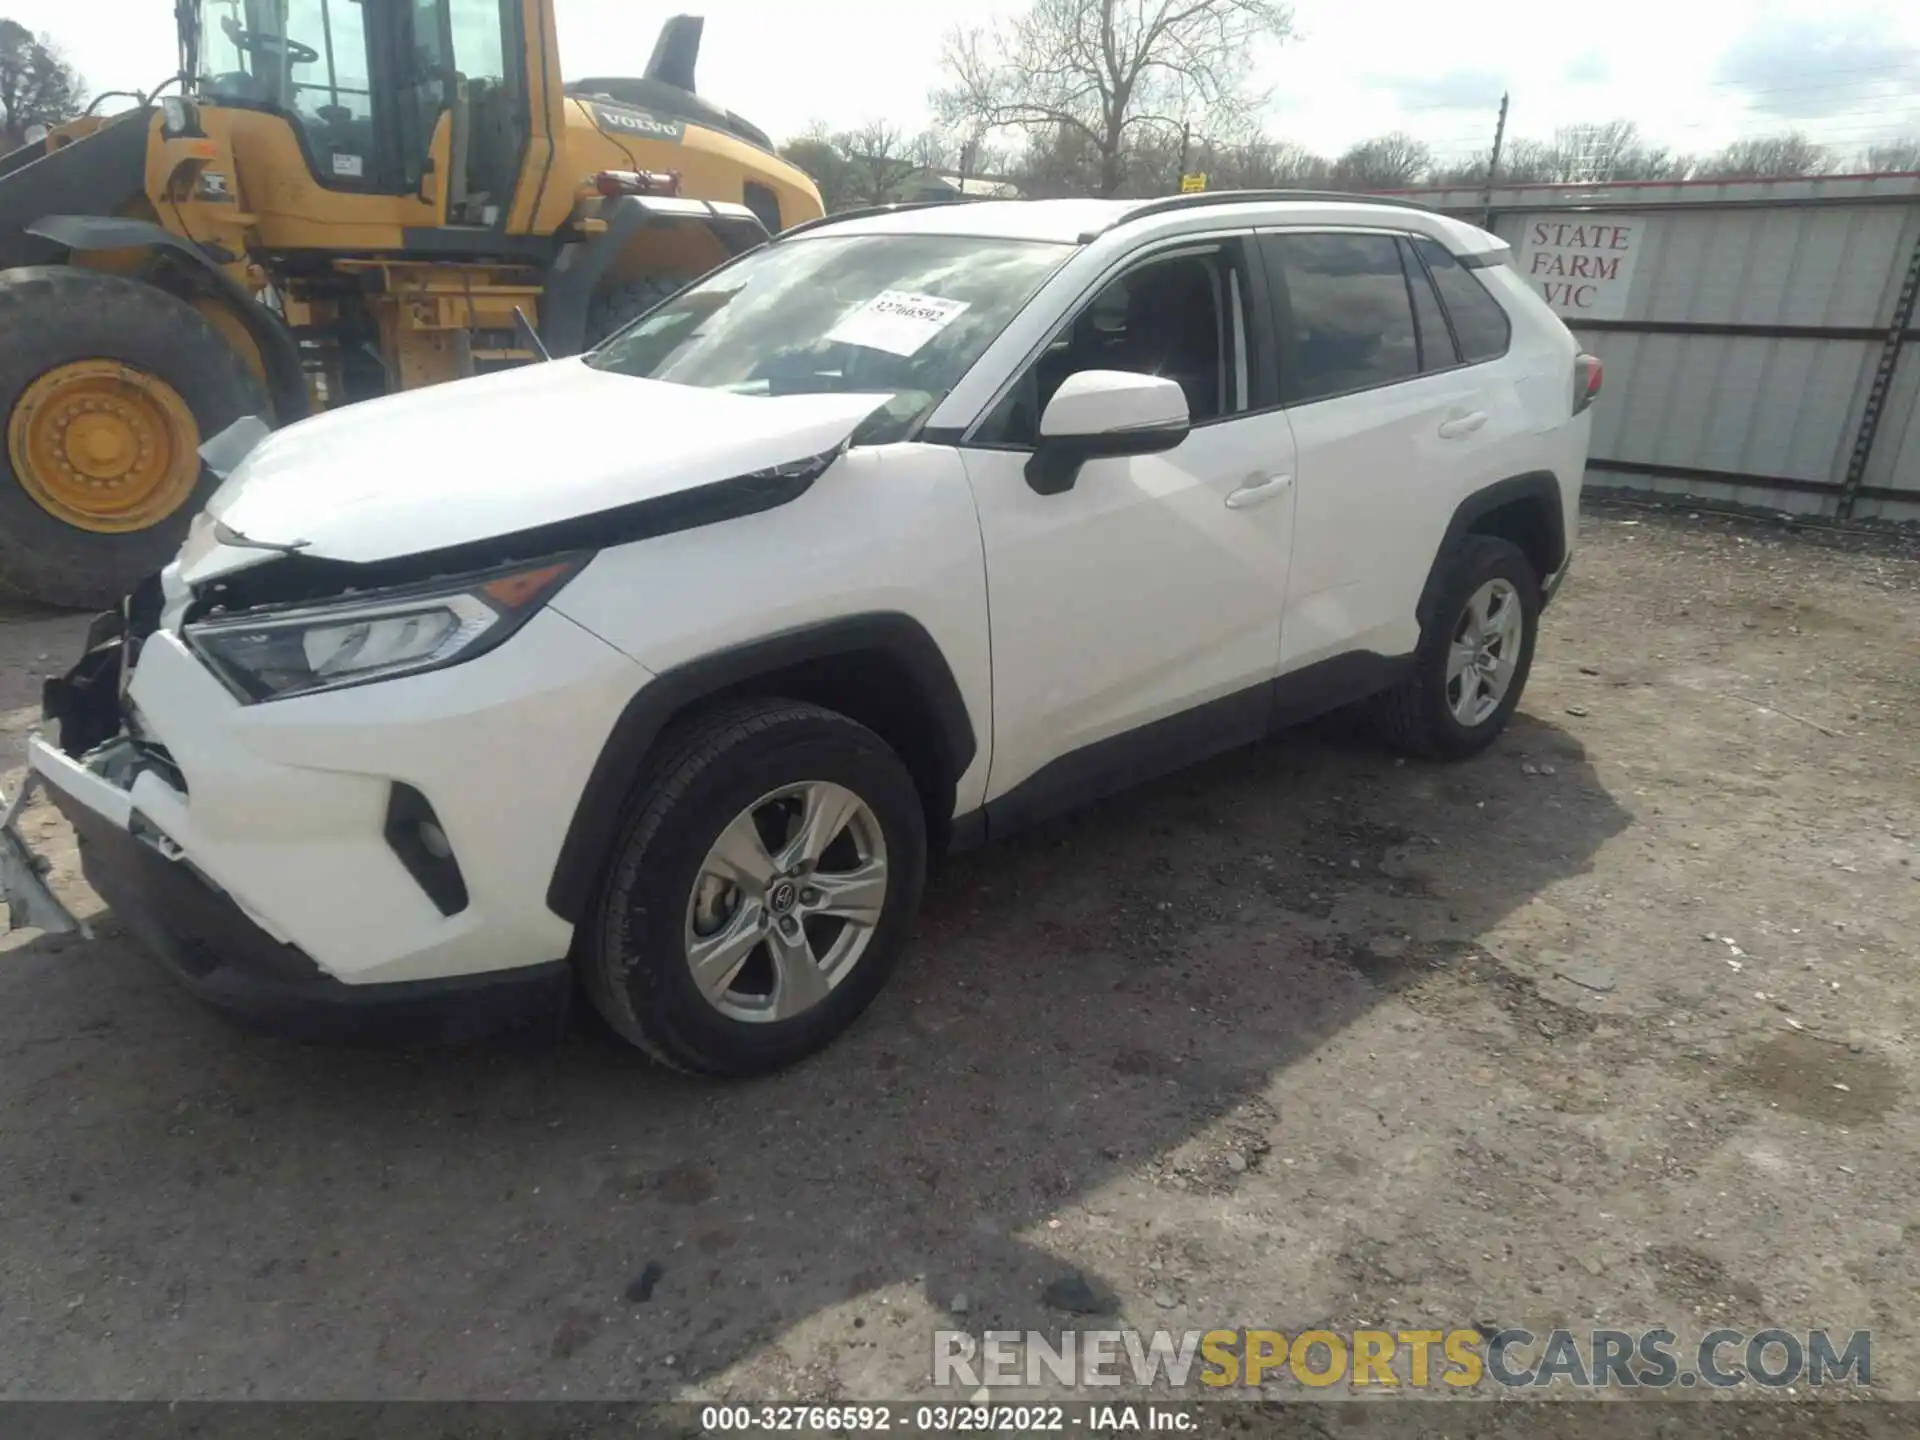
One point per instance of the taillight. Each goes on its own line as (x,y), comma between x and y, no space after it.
(637,182)
(1586,381)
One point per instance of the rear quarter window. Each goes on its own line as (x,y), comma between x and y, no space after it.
(1479,324)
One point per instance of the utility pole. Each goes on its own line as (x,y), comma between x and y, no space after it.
(1493,163)
(1186,144)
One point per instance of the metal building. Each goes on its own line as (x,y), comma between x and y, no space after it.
(1759,338)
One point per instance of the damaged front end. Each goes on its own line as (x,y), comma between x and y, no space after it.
(31,905)
(97,726)
(89,705)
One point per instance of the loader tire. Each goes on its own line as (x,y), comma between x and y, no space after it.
(108,388)
(620,306)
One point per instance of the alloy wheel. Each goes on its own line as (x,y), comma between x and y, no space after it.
(1485,652)
(786,902)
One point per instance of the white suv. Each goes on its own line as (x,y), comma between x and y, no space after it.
(666,668)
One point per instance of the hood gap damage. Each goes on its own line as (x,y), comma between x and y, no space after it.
(301,579)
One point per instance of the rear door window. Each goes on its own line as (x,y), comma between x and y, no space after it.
(1437,350)
(1346,320)
(1479,323)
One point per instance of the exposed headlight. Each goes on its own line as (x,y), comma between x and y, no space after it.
(272,654)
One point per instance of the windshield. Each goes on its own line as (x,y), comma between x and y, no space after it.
(902,315)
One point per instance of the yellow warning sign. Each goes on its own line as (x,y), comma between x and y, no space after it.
(1190,184)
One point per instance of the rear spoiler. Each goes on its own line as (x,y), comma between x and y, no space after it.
(1487,256)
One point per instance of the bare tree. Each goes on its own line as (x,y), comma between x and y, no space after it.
(1523,161)
(1610,150)
(37,85)
(878,160)
(975,158)
(1259,163)
(1897,157)
(932,150)
(1387,162)
(1057,161)
(1770,157)
(1598,152)
(816,153)
(1106,70)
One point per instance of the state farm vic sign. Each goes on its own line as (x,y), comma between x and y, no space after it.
(1582,267)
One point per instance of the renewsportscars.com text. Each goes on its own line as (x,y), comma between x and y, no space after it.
(1457,1359)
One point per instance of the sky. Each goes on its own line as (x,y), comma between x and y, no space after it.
(1694,74)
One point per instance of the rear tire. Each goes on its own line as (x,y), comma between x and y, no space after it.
(667,904)
(53,317)
(1430,712)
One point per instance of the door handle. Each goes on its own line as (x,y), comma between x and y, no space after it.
(1254,491)
(1460,425)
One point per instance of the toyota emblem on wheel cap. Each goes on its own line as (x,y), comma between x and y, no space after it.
(781,898)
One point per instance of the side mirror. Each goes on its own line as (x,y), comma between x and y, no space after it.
(1099,414)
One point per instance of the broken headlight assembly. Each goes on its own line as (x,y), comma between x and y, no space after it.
(273,654)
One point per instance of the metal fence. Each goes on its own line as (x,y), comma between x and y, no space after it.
(1759,338)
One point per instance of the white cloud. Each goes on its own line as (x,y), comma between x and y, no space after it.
(1694,75)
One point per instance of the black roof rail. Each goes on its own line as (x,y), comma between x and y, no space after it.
(1200,198)
(866,212)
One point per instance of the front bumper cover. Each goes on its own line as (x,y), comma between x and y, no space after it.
(199,932)
(211,946)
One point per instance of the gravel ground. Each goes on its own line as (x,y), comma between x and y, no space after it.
(1614,1025)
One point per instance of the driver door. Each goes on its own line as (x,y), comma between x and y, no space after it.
(1136,617)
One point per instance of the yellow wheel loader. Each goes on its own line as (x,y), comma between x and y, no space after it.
(334,200)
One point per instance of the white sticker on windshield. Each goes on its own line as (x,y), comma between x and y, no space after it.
(897,321)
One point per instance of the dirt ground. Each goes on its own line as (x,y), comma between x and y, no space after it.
(1615,1025)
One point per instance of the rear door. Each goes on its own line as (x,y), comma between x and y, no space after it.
(1388,422)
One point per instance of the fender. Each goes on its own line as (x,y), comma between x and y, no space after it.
(1536,485)
(569,286)
(597,818)
(286,381)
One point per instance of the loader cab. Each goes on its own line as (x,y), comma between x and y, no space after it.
(365,83)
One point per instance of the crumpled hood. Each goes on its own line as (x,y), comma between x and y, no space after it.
(468,461)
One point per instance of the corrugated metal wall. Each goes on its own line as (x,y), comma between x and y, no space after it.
(1755,324)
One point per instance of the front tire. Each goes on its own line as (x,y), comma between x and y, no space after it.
(108,387)
(760,893)
(1474,656)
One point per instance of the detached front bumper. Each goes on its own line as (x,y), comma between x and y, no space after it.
(211,946)
(253,849)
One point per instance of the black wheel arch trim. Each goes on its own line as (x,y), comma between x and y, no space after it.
(286,379)
(1537,485)
(596,818)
